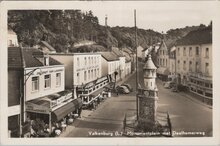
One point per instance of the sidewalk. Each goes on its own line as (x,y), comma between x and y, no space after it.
(125,79)
(191,96)
(87,113)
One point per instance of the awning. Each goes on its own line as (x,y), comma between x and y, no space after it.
(63,111)
(163,71)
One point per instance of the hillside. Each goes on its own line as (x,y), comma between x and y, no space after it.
(63,28)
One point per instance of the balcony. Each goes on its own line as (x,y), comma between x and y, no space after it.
(200,75)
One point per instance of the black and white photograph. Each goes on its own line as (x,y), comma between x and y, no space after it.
(110,69)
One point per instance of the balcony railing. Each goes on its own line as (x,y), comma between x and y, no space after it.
(200,75)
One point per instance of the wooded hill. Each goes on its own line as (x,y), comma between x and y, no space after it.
(62,28)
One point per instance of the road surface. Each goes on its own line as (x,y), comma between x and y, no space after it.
(186,115)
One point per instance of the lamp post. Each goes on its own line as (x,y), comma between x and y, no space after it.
(136,64)
(22,98)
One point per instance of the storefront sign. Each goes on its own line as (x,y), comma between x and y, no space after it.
(31,107)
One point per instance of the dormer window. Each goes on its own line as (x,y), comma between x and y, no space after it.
(46,60)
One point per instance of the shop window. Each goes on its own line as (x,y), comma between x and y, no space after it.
(47,81)
(58,79)
(35,83)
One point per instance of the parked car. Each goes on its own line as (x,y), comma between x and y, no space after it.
(182,88)
(128,86)
(122,89)
(169,84)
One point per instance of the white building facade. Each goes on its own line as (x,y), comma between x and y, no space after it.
(194,62)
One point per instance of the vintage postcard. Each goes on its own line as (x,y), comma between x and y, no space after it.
(110,72)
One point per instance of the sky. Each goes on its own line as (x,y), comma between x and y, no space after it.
(158,15)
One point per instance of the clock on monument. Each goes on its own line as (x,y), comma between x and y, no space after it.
(146,93)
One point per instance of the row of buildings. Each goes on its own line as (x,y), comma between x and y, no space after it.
(188,61)
(49,86)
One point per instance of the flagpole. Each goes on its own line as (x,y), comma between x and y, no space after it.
(136,64)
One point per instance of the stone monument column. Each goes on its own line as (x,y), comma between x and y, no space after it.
(148,93)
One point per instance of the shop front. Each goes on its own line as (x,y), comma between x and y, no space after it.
(51,113)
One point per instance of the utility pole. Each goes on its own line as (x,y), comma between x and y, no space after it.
(136,63)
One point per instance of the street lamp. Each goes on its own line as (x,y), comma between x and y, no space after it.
(22,98)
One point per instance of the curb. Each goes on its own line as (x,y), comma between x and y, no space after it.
(195,100)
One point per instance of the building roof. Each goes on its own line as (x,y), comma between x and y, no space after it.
(33,61)
(15,57)
(47,45)
(200,36)
(26,57)
(149,64)
(109,56)
(117,52)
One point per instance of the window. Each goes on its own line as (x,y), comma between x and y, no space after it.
(89,74)
(190,51)
(184,65)
(161,62)
(197,50)
(78,64)
(58,79)
(47,81)
(207,52)
(98,72)
(178,51)
(197,66)
(78,78)
(207,68)
(163,52)
(166,62)
(85,61)
(178,64)
(35,83)
(190,66)
(85,76)
(89,61)
(184,51)
(95,73)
